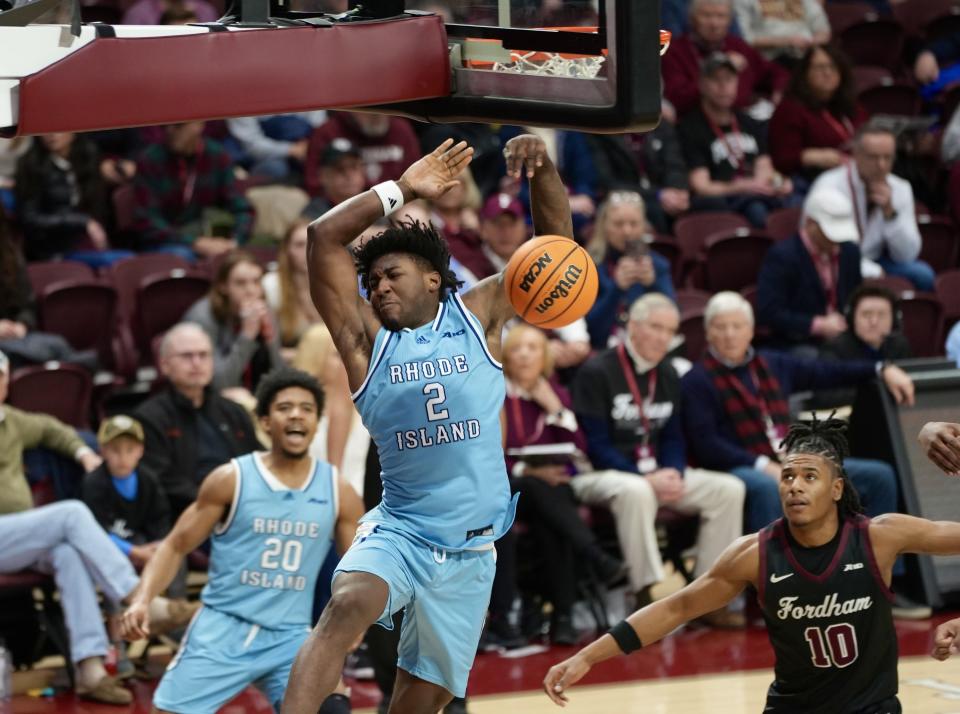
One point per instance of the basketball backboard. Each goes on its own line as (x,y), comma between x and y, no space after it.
(583,64)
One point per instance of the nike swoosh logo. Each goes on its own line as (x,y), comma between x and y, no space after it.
(778,578)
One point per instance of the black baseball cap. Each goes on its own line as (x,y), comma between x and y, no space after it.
(337,149)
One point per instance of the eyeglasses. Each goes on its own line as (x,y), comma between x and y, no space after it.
(616,198)
(190,356)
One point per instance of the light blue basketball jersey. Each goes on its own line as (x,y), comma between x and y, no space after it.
(266,556)
(431,402)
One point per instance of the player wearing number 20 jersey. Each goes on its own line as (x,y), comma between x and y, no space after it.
(832,630)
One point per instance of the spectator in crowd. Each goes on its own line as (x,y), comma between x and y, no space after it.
(503,229)
(341,438)
(387,145)
(64,540)
(709,33)
(626,267)
(129,505)
(726,150)
(10,152)
(246,342)
(736,414)
(456,214)
(187,200)
(952,346)
(935,56)
(19,339)
(287,290)
(274,146)
(538,412)
(340,175)
(61,201)
(873,333)
(883,207)
(150,12)
(813,126)
(627,400)
(783,31)
(653,162)
(805,281)
(189,429)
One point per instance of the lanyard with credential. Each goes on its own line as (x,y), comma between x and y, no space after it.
(774,434)
(628,374)
(855,201)
(517,416)
(737,157)
(843,128)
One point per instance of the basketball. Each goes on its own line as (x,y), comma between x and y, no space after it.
(551,281)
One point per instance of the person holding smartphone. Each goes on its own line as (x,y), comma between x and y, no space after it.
(626,266)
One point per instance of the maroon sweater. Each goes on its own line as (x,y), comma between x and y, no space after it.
(527,430)
(681,73)
(385,157)
(795,127)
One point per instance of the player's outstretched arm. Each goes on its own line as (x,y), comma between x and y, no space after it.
(333,276)
(946,640)
(894,533)
(734,570)
(524,154)
(193,527)
(351,509)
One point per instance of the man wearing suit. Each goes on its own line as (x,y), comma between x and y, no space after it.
(805,281)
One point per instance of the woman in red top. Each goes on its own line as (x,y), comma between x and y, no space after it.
(812,126)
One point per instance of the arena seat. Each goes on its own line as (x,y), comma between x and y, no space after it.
(52,627)
(733,259)
(877,42)
(161,302)
(83,312)
(784,223)
(62,390)
(691,299)
(940,242)
(923,323)
(692,229)
(43,273)
(894,99)
(947,288)
(695,339)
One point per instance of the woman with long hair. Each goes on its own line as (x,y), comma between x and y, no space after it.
(626,266)
(288,291)
(246,342)
(813,126)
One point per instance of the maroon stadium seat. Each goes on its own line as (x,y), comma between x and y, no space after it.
(923,323)
(878,42)
(43,273)
(866,76)
(784,222)
(940,243)
(82,311)
(844,14)
(733,260)
(894,283)
(693,229)
(948,291)
(695,340)
(895,99)
(161,302)
(127,274)
(691,300)
(62,390)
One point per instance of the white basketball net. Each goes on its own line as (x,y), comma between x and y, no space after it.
(553,66)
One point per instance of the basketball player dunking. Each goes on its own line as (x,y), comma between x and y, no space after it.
(423,363)
(270,518)
(822,574)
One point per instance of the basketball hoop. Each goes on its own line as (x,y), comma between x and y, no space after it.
(559,64)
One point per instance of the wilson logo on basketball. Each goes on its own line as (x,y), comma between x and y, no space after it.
(561,290)
(534,271)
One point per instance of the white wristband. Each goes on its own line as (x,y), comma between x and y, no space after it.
(390,196)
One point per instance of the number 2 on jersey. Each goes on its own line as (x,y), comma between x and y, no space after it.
(834,647)
(292,551)
(438,398)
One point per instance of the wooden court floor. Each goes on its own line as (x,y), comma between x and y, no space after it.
(926,687)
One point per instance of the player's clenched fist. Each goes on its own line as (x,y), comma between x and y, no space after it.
(563,675)
(945,642)
(525,150)
(135,624)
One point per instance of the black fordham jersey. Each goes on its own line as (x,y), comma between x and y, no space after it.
(832,632)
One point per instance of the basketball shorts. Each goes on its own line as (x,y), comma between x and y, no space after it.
(444,595)
(220,656)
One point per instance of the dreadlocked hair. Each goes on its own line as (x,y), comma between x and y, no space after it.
(826,438)
(420,240)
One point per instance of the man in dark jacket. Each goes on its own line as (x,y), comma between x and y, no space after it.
(805,280)
(189,429)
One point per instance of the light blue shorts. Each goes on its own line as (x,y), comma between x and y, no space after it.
(444,595)
(219,657)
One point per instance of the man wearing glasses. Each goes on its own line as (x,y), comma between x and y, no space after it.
(190,429)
